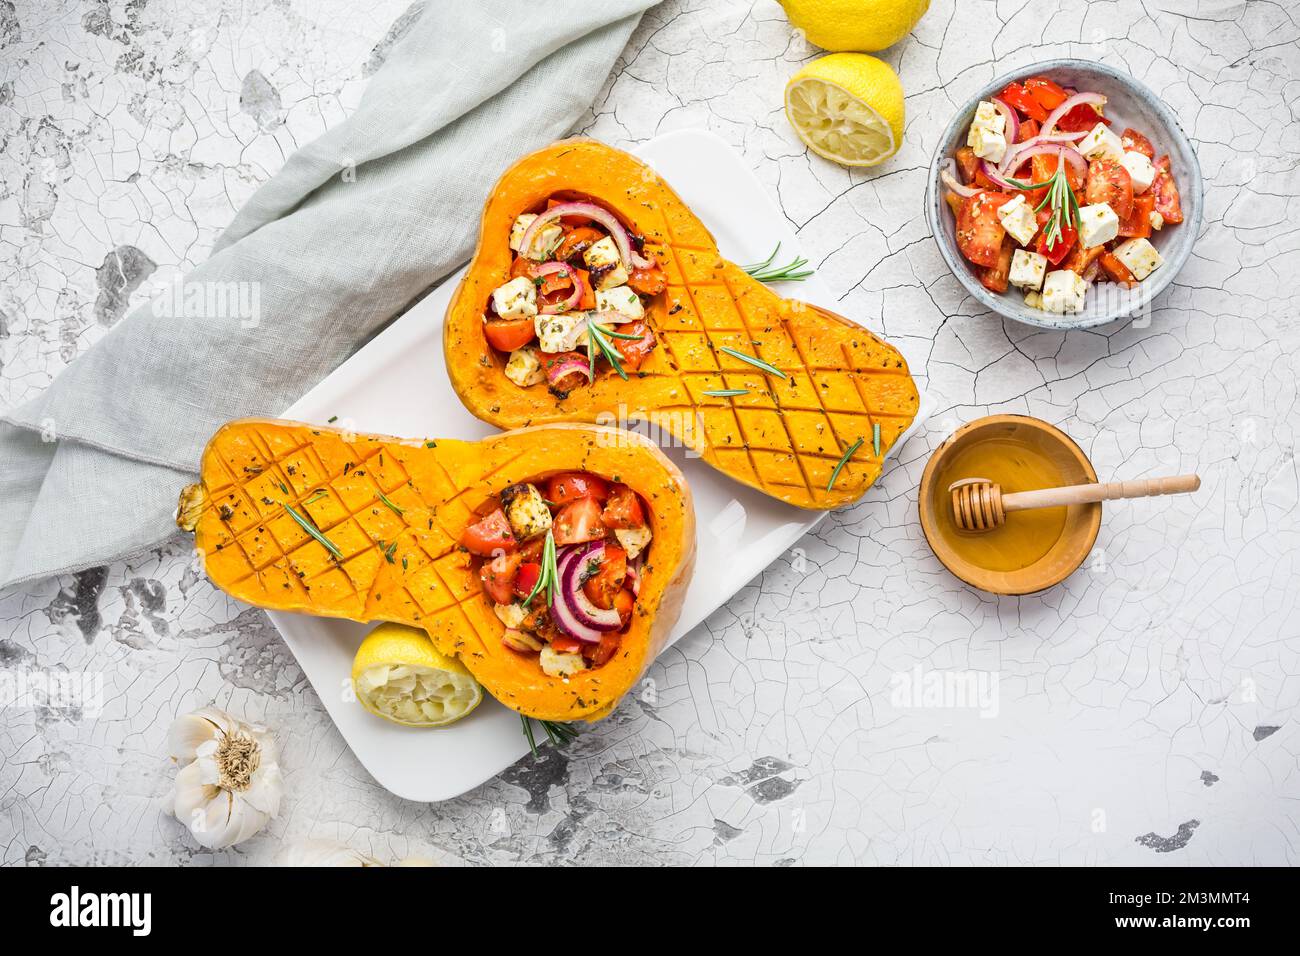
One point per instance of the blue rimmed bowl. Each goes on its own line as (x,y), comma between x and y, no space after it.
(1129,103)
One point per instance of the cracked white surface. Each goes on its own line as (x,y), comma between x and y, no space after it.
(1145,709)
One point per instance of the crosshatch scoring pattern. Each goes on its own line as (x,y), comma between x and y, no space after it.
(786,436)
(385,517)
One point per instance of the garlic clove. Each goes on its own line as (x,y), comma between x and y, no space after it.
(188,733)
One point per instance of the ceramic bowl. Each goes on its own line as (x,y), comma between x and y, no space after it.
(1129,103)
(1056,554)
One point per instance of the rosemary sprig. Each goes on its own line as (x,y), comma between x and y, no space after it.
(758,363)
(388,549)
(875,438)
(316,496)
(792,271)
(559,734)
(596,335)
(1061,199)
(843,461)
(725,392)
(549,576)
(312,530)
(384,498)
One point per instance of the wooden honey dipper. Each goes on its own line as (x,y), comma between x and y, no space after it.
(979,505)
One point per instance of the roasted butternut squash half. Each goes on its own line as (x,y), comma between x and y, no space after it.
(596,295)
(444,534)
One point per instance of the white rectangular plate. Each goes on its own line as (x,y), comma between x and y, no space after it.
(397,385)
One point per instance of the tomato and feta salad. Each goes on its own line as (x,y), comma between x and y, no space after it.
(1048,198)
(561,560)
(577,294)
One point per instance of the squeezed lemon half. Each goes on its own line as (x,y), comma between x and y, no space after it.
(848,108)
(400,676)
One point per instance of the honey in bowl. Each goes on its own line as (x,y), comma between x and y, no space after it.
(1033,549)
(1017,466)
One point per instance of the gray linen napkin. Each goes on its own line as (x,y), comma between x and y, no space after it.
(354,227)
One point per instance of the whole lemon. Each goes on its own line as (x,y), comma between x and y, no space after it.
(862,25)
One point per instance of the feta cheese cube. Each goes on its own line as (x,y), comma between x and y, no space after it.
(544,243)
(621,299)
(511,615)
(602,253)
(516,299)
(633,540)
(1033,299)
(525,510)
(987,144)
(606,267)
(1157,220)
(557,664)
(1101,143)
(1027,270)
(988,117)
(1063,291)
(1139,169)
(1140,257)
(1098,225)
(562,332)
(1018,220)
(524,367)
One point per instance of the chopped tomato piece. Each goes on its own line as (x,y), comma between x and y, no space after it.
(1042,168)
(565,644)
(1135,142)
(1079,119)
(1080,258)
(1117,270)
(1109,182)
(635,351)
(1061,247)
(995,277)
(577,241)
(649,281)
(967,164)
(579,521)
(571,380)
(498,576)
(1018,95)
(979,233)
(1138,224)
(526,578)
(588,298)
(624,602)
(623,509)
(532,549)
(1048,94)
(607,581)
(506,335)
(1168,202)
(598,654)
(491,536)
(572,485)
(1028,130)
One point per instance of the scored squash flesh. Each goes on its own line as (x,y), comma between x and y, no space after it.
(385,517)
(784,436)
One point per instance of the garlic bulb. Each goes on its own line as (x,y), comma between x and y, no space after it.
(229,784)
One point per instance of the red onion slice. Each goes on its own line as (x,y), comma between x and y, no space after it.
(569,304)
(622,239)
(948,175)
(634,573)
(995,177)
(1068,153)
(1010,161)
(1093,99)
(1012,128)
(557,370)
(573,611)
